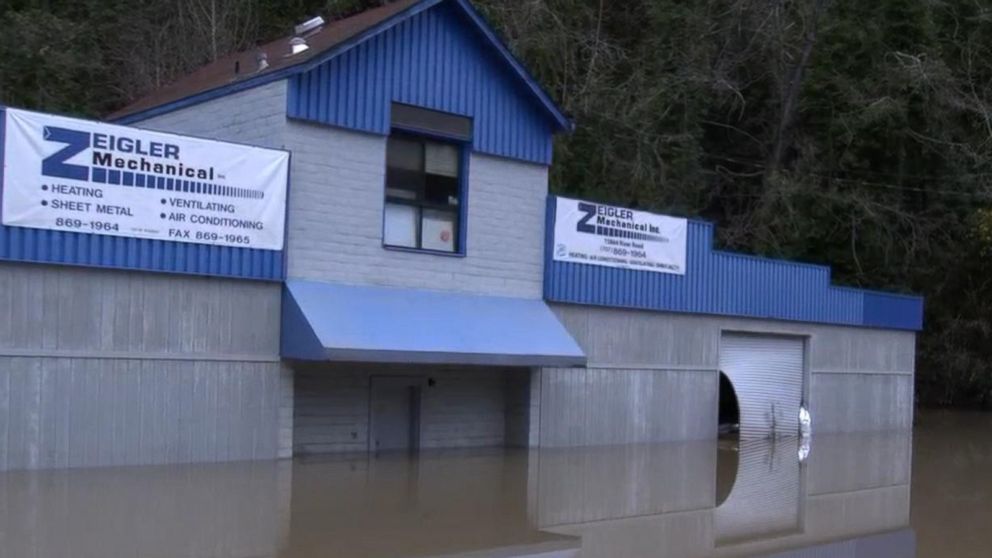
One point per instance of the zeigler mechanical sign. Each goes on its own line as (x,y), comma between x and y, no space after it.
(597,234)
(75,175)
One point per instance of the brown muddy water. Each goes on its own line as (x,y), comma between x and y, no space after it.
(877,495)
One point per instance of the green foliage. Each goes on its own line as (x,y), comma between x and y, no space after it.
(49,63)
(851,133)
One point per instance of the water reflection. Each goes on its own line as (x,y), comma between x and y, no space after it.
(850,498)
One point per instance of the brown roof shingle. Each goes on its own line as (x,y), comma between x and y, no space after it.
(222,71)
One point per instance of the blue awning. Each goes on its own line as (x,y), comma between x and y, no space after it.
(325,321)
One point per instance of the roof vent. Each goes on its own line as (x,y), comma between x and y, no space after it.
(309,26)
(261,60)
(297,45)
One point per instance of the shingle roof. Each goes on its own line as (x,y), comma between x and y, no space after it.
(220,77)
(221,72)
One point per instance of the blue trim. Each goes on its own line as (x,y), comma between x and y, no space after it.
(464,153)
(729,284)
(464,159)
(559,117)
(423,251)
(328,321)
(296,338)
(436,61)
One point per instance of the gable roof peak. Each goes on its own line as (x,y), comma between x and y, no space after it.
(277,60)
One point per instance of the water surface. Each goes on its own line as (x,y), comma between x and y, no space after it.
(869,495)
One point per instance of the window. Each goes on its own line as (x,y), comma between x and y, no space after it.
(422,194)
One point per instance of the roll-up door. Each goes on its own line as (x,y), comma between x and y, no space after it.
(765,499)
(767,374)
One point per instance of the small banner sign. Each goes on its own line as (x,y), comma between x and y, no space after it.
(597,234)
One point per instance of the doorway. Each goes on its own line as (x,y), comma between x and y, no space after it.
(729,413)
(394,414)
(766,373)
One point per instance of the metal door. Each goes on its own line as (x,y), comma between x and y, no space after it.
(394,414)
(765,501)
(767,374)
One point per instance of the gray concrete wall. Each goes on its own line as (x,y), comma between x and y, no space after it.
(255,116)
(604,406)
(467,406)
(653,377)
(336,207)
(102,367)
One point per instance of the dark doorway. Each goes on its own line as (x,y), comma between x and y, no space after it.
(394,414)
(729,417)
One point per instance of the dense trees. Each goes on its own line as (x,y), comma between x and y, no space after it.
(852,133)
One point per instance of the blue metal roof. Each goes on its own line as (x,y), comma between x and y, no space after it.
(327,321)
(19,244)
(440,54)
(730,284)
(433,60)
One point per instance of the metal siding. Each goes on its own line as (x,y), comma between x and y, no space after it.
(766,498)
(431,60)
(21,244)
(729,284)
(606,406)
(892,310)
(845,403)
(175,370)
(68,412)
(767,375)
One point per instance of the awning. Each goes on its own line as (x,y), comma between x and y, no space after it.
(325,321)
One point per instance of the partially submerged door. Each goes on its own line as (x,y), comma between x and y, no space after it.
(767,374)
(394,414)
(765,501)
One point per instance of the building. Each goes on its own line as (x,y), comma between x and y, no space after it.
(417,299)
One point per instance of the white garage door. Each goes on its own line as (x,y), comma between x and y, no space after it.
(767,375)
(765,499)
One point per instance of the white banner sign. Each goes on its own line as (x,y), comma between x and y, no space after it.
(75,175)
(597,234)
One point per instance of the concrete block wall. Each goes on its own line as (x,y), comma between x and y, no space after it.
(101,367)
(255,116)
(337,194)
(466,407)
(653,377)
(336,208)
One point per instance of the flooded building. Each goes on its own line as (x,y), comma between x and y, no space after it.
(423,290)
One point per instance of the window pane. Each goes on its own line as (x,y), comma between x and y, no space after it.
(442,159)
(401,183)
(439,230)
(441,190)
(404,154)
(400,227)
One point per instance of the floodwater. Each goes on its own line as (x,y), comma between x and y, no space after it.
(867,496)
